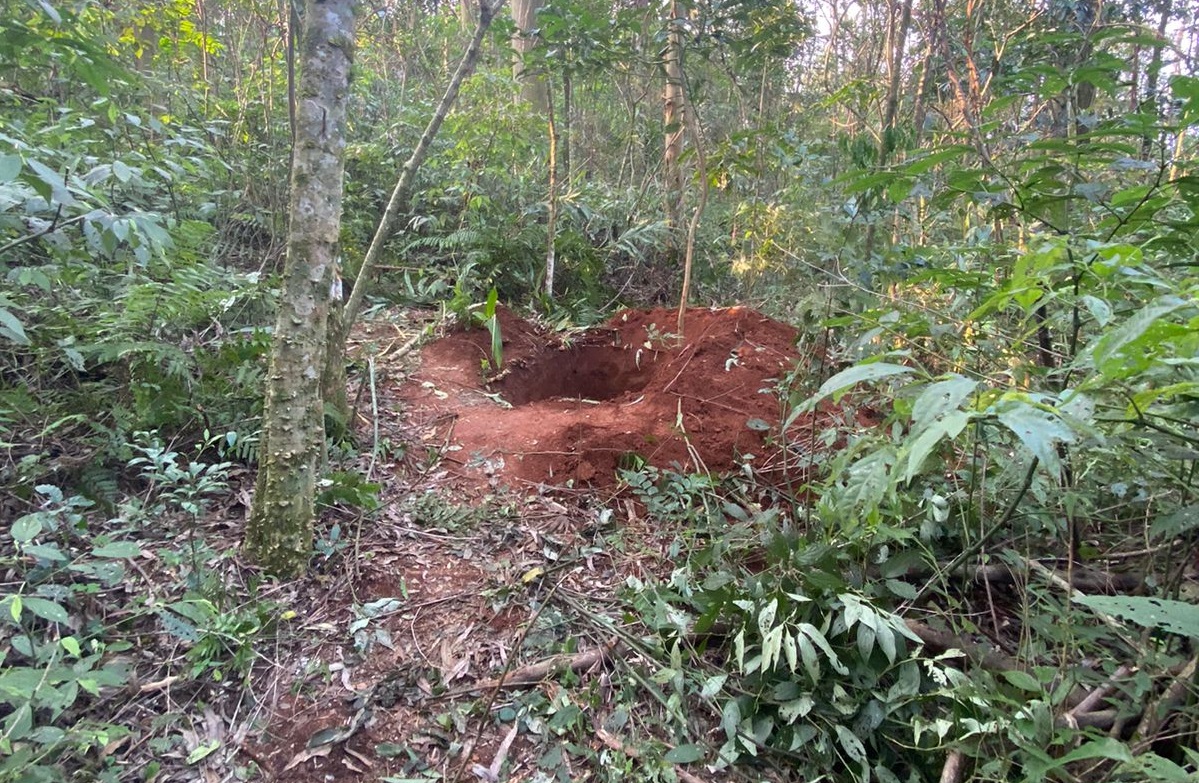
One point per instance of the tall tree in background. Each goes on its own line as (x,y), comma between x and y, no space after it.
(673,122)
(533,88)
(279,532)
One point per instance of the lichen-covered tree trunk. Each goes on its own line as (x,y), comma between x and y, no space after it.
(279,532)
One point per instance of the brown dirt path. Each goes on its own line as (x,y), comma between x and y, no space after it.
(454,555)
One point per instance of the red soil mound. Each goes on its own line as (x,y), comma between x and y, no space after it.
(570,407)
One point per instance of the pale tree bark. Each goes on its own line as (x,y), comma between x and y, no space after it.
(551,222)
(701,165)
(673,119)
(533,90)
(279,531)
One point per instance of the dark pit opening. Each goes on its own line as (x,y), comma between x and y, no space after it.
(590,372)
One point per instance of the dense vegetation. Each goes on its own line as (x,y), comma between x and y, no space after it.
(982,216)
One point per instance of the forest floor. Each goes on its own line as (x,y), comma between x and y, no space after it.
(465,629)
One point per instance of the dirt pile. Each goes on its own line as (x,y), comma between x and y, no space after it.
(572,408)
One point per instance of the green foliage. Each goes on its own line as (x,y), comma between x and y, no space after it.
(675,497)
(58,662)
(795,663)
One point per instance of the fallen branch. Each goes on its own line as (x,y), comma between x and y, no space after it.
(955,763)
(980,654)
(1084,579)
(1156,714)
(540,671)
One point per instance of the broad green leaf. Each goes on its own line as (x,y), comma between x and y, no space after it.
(766,616)
(122,171)
(791,651)
(1023,680)
(901,589)
(1100,310)
(390,750)
(202,751)
(18,725)
(1040,430)
(796,708)
(898,190)
(20,682)
(941,397)
(1177,617)
(1114,348)
(10,167)
(807,654)
(1150,766)
(950,425)
(49,184)
(199,610)
(772,647)
(27,528)
(46,609)
(813,633)
(684,754)
(14,607)
(1142,400)
(12,328)
(48,552)
(859,184)
(177,627)
(866,638)
(1038,766)
(730,718)
(118,550)
(923,164)
(713,685)
(1181,521)
(71,645)
(842,381)
(850,744)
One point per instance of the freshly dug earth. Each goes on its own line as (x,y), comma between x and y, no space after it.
(573,408)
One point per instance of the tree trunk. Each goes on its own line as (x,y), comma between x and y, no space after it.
(532,84)
(551,221)
(279,531)
(673,122)
(1153,74)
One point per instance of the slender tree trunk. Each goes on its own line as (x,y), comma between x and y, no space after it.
(899,42)
(897,39)
(1153,74)
(673,120)
(279,531)
(403,189)
(533,89)
(551,222)
(564,137)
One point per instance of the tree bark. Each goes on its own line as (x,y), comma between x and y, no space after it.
(533,90)
(279,531)
(551,221)
(673,118)
(1153,75)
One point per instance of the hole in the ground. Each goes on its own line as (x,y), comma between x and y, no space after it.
(590,372)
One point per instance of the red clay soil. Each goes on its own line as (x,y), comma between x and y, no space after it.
(573,408)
